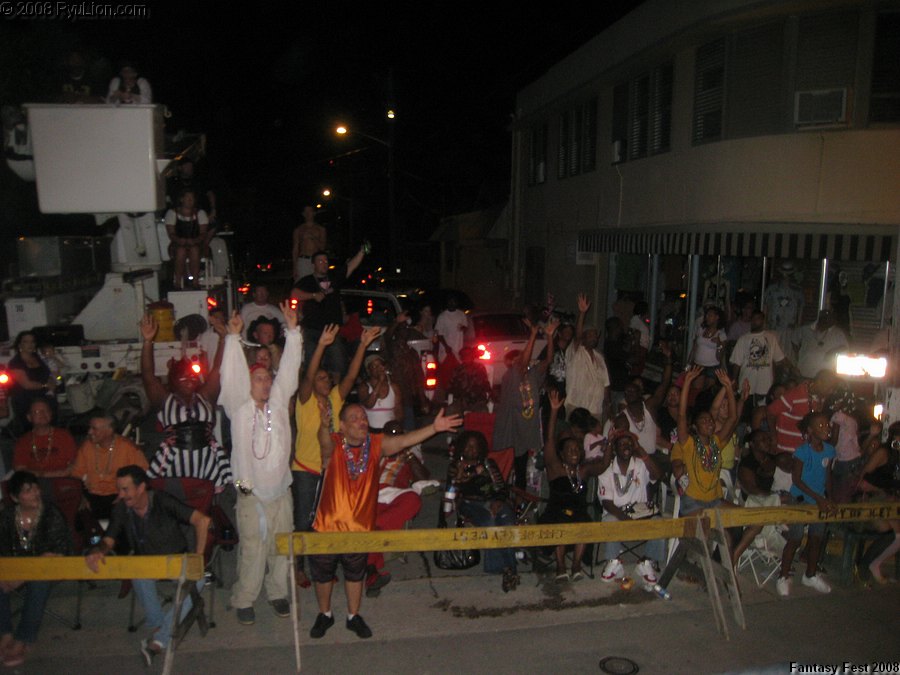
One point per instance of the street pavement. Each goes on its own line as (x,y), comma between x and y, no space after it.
(432,621)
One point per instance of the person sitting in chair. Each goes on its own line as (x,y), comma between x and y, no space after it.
(151,521)
(623,492)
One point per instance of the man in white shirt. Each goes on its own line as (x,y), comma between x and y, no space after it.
(623,491)
(587,380)
(755,356)
(261,435)
(260,307)
(451,325)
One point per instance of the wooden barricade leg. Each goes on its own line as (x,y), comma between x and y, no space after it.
(699,546)
(295,601)
(726,570)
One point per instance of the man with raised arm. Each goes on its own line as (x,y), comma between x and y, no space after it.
(261,435)
(587,379)
(350,499)
(316,391)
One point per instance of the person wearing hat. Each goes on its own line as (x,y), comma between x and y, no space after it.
(187,413)
(259,307)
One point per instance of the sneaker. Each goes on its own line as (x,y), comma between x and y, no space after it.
(783,586)
(149,649)
(246,616)
(358,626)
(612,570)
(282,607)
(321,626)
(647,571)
(816,581)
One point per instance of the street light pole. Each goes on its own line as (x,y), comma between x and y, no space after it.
(393,234)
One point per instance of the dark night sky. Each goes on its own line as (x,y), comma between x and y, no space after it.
(267,86)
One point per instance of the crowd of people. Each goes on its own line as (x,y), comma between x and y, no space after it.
(323,441)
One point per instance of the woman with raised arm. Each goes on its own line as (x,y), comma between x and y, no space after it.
(697,457)
(187,413)
(567,472)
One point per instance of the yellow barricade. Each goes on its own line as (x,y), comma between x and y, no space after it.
(73,568)
(312,543)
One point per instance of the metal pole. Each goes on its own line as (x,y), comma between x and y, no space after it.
(884,295)
(823,285)
(654,294)
(692,302)
(762,285)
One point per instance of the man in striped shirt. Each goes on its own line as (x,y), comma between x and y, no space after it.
(784,413)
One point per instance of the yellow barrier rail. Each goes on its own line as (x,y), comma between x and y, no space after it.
(73,568)
(312,543)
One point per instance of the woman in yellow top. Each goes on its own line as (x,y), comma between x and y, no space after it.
(697,457)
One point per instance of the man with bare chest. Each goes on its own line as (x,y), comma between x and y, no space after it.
(309,237)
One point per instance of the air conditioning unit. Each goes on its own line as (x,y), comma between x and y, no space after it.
(617,152)
(820,106)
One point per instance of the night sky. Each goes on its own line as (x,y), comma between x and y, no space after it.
(268,85)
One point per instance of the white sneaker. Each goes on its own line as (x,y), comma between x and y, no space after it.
(816,581)
(647,571)
(783,586)
(612,570)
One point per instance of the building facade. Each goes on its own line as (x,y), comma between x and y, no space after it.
(695,146)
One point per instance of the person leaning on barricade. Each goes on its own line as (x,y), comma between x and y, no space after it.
(151,520)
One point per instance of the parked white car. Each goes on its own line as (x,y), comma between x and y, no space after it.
(493,335)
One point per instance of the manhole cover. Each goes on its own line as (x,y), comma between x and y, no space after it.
(618,665)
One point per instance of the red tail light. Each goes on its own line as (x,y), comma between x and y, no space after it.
(370,307)
(4,379)
(430,382)
(483,353)
(431,365)
(211,303)
(195,368)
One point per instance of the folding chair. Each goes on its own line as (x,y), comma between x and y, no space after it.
(762,558)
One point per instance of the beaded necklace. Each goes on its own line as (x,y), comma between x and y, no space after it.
(25,527)
(527,398)
(34,450)
(268,429)
(109,454)
(708,457)
(621,490)
(574,479)
(356,468)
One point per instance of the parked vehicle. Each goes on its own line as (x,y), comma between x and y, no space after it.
(493,335)
(381,308)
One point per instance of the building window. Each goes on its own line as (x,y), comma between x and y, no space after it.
(537,155)
(885,103)
(709,91)
(577,140)
(642,115)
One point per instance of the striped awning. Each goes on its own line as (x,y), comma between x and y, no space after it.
(864,243)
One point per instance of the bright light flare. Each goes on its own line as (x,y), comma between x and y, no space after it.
(483,353)
(4,378)
(195,368)
(877,411)
(861,365)
(326,192)
(341,130)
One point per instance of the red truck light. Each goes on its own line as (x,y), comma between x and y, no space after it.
(483,353)
(5,379)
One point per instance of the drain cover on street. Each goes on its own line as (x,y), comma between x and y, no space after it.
(618,665)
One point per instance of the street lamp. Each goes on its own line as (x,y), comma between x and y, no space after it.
(393,235)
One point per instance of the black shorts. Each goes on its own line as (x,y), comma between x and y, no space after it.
(323,567)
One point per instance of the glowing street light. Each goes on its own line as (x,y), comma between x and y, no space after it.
(391,114)
(326,192)
(341,130)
